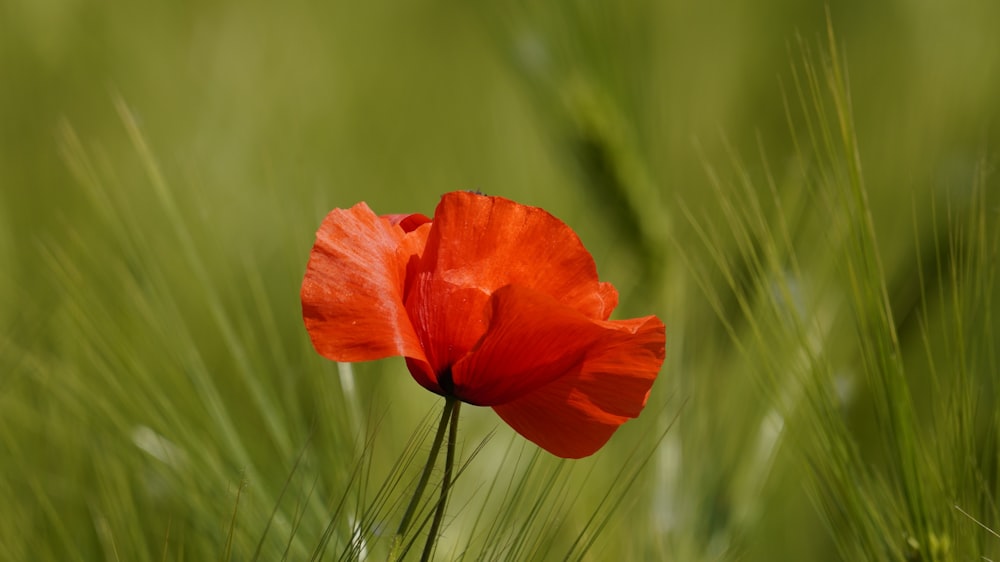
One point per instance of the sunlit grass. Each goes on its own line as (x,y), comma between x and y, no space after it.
(825,266)
(816,331)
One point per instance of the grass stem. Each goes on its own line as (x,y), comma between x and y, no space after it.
(449,464)
(449,406)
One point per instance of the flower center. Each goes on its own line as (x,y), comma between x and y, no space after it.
(445,381)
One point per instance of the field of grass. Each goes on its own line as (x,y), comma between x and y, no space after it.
(806,196)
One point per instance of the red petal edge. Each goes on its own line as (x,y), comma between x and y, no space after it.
(575,415)
(485,243)
(409,222)
(352,293)
(532,339)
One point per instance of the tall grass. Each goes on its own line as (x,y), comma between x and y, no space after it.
(805,300)
(826,268)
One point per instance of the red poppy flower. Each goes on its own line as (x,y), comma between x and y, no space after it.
(495,303)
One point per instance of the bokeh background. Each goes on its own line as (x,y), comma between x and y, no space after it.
(164,166)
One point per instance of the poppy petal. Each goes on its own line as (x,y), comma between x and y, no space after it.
(448,319)
(352,294)
(575,415)
(422,372)
(486,243)
(408,222)
(533,340)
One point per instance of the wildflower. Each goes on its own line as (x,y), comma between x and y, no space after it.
(493,303)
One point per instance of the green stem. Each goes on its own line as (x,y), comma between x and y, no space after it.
(397,541)
(449,463)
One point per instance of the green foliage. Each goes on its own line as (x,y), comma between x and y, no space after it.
(832,372)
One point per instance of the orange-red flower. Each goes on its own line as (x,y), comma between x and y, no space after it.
(495,303)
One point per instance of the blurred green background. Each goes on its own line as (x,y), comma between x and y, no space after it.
(164,166)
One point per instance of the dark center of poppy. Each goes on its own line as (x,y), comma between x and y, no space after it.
(445,381)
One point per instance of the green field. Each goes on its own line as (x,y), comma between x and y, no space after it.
(807,196)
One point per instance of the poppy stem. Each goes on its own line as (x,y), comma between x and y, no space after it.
(450,405)
(449,463)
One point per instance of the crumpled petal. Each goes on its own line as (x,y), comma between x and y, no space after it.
(485,243)
(574,415)
(352,294)
(408,222)
(532,339)
(449,331)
